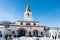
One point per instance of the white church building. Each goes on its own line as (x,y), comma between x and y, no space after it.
(27,27)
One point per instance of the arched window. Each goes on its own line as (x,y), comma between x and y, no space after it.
(10,36)
(6,36)
(13,32)
(58,36)
(34,24)
(42,34)
(28,14)
(30,34)
(21,23)
(15,36)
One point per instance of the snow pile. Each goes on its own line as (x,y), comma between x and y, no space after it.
(33,38)
(45,38)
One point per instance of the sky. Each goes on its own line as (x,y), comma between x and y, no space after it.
(47,12)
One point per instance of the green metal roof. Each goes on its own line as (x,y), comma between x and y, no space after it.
(28,6)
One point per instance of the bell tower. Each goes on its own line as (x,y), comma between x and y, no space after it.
(28,13)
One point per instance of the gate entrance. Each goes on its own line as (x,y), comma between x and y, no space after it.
(21,32)
(35,33)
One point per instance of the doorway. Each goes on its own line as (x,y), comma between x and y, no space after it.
(21,32)
(35,33)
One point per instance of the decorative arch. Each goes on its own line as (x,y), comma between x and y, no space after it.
(21,32)
(35,33)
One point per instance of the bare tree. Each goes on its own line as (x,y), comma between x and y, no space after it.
(6,23)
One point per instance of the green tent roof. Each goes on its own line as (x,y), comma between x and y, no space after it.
(28,6)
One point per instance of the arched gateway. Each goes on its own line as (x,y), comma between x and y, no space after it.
(21,32)
(35,33)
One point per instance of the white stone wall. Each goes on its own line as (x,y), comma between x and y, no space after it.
(26,17)
(18,23)
(54,33)
(31,23)
(2,30)
(28,29)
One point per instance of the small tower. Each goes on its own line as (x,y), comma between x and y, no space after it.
(28,13)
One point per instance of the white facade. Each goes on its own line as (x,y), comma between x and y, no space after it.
(55,33)
(28,16)
(2,28)
(28,27)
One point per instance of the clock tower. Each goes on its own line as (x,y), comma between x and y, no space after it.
(28,13)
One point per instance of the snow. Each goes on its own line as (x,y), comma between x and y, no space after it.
(30,38)
(1,26)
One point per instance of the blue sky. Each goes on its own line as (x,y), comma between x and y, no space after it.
(47,12)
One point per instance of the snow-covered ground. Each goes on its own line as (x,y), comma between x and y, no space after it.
(31,38)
